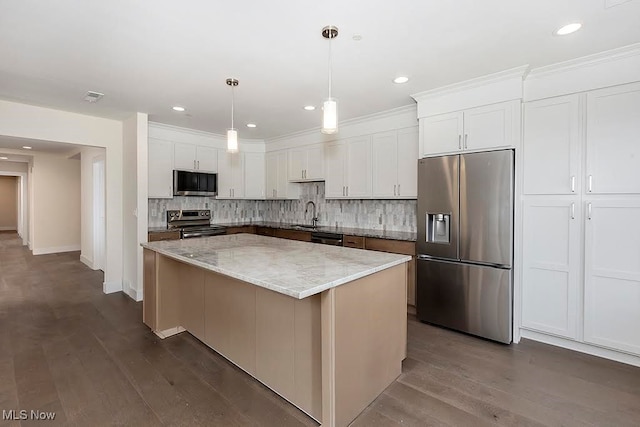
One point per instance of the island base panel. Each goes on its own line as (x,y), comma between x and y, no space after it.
(363,342)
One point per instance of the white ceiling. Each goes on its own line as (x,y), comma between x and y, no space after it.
(7,142)
(149,55)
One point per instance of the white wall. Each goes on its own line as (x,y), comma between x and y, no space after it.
(87,156)
(56,204)
(398,118)
(135,204)
(8,203)
(6,166)
(28,121)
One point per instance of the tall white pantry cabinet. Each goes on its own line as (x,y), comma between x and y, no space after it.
(581,218)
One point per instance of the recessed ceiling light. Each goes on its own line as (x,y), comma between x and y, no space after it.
(26,147)
(568,29)
(4,158)
(178,108)
(251,125)
(309,107)
(401,79)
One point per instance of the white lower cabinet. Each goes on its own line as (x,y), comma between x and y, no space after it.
(551,268)
(595,301)
(612,274)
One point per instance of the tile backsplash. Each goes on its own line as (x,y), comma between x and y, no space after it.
(397,215)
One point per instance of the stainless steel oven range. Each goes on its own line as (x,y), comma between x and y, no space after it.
(193,223)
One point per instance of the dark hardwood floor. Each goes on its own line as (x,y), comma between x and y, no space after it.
(68,348)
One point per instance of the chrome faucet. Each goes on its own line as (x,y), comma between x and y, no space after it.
(314,219)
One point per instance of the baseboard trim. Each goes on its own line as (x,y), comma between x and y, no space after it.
(8,229)
(86,261)
(111,287)
(56,250)
(169,332)
(581,347)
(134,294)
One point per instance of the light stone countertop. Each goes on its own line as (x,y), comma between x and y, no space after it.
(297,269)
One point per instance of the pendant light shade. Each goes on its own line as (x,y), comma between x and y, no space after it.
(330,116)
(232,133)
(232,140)
(330,105)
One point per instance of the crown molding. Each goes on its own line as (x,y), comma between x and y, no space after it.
(512,73)
(406,109)
(201,133)
(586,61)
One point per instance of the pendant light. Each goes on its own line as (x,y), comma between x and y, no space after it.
(232,133)
(330,105)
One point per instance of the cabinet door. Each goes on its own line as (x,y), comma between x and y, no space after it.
(335,160)
(384,160)
(297,163)
(271,166)
(225,175)
(282,184)
(613,140)
(612,274)
(551,266)
(488,127)
(160,169)
(207,159)
(441,134)
(254,176)
(315,163)
(184,156)
(358,168)
(552,153)
(407,163)
(237,169)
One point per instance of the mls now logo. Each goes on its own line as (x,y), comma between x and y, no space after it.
(23,414)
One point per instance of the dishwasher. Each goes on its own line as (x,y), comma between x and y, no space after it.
(326,238)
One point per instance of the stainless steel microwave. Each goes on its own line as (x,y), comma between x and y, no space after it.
(186,183)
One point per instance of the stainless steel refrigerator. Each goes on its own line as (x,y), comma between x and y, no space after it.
(465,243)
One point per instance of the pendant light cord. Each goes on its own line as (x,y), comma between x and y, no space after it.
(330,66)
(232,98)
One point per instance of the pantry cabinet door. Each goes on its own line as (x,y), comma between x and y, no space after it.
(612,274)
(613,140)
(551,266)
(552,146)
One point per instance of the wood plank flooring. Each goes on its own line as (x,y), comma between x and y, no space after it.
(68,348)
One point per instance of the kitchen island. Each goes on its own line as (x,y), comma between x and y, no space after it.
(323,326)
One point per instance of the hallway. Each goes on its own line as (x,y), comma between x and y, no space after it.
(66,347)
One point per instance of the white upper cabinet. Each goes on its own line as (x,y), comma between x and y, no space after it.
(348,168)
(394,158)
(306,164)
(552,266)
(358,168)
(160,169)
(278,186)
(612,274)
(335,162)
(613,140)
(552,146)
(442,134)
(254,176)
(487,127)
(231,175)
(195,157)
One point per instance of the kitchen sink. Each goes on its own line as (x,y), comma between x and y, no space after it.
(304,227)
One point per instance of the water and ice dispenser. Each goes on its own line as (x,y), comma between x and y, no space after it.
(438,230)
